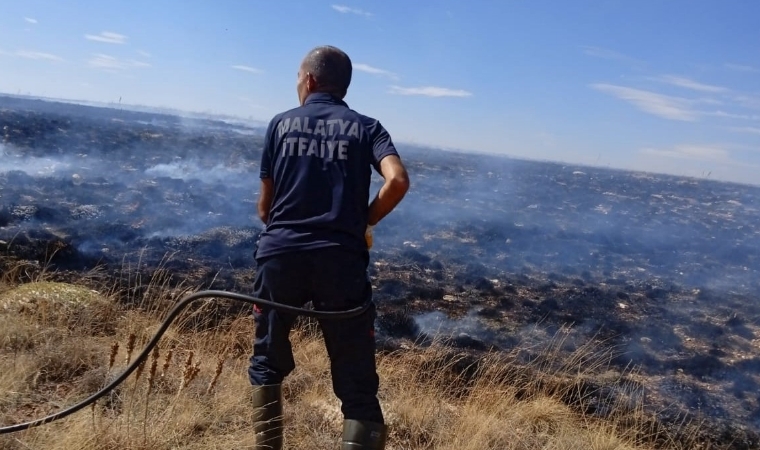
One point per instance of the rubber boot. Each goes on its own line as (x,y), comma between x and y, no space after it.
(267,417)
(360,434)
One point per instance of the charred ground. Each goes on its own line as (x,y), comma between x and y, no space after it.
(492,251)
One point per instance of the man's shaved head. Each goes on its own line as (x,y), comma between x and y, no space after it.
(331,69)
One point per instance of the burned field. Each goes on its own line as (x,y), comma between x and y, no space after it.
(492,252)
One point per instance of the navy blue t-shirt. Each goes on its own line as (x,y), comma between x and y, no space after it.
(320,158)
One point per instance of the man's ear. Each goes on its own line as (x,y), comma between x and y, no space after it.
(311,82)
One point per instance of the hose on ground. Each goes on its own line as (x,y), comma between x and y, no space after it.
(330,315)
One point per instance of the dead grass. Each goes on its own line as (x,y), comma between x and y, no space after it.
(57,340)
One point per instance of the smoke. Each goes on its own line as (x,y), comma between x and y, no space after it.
(191,170)
(114,186)
(543,217)
(473,330)
(36,167)
(436,323)
(167,177)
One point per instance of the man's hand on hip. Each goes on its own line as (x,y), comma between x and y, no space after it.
(368,237)
(392,191)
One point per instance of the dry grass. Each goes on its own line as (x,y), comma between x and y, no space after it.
(61,343)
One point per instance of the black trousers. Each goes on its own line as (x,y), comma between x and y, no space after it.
(332,279)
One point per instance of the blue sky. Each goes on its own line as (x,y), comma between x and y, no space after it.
(647,85)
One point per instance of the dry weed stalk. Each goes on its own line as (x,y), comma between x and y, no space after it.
(153,367)
(190,371)
(19,271)
(130,346)
(112,357)
(140,369)
(151,381)
(188,364)
(219,366)
(167,361)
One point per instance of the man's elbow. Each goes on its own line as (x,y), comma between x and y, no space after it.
(400,183)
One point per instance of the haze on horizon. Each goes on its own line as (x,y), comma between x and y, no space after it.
(669,87)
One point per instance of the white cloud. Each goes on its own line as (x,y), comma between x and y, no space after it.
(673,108)
(684,108)
(111,63)
(107,37)
(375,71)
(605,53)
(731,115)
(751,130)
(247,69)
(430,91)
(144,54)
(690,84)
(712,161)
(30,20)
(748,101)
(348,10)
(691,152)
(38,55)
(742,68)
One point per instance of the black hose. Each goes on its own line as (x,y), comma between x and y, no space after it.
(162,329)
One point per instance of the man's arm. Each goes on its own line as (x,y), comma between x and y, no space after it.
(393,190)
(265,199)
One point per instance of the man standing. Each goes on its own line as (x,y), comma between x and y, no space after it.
(316,168)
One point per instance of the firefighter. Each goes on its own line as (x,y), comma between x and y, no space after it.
(315,203)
